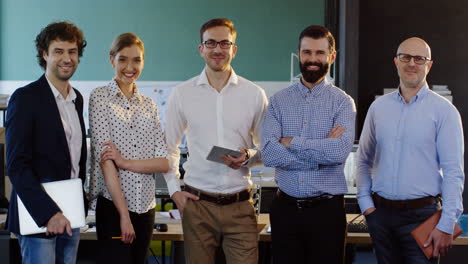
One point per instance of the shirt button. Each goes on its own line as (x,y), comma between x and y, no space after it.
(305,123)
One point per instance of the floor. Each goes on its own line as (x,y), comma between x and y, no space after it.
(362,256)
(365,257)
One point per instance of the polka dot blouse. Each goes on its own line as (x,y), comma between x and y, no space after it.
(133,126)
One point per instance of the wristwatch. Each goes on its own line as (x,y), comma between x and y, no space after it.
(247,155)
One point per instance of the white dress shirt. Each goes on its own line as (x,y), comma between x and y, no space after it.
(230,119)
(71,126)
(133,126)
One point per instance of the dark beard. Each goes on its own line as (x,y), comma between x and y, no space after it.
(313,76)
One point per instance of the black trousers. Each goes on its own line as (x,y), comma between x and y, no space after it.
(316,234)
(108,226)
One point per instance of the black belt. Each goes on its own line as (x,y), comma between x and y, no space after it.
(379,201)
(307,201)
(221,199)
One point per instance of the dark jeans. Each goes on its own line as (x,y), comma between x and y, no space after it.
(108,226)
(309,235)
(390,230)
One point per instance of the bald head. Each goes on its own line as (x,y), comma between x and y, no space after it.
(413,62)
(415,46)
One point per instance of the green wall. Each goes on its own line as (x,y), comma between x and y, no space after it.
(267,34)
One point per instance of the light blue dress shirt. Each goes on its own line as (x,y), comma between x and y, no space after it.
(412,150)
(313,164)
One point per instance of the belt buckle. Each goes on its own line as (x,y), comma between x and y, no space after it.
(221,199)
(300,203)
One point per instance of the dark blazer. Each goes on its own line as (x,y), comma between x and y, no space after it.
(37,150)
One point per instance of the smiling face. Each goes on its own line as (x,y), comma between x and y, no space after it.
(315,59)
(61,60)
(218,59)
(411,74)
(128,64)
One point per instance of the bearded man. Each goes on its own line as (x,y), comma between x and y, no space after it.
(307,134)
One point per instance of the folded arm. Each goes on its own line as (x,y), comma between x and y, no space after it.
(330,150)
(148,166)
(274,153)
(158,164)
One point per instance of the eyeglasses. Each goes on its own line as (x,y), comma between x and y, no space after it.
(211,44)
(420,60)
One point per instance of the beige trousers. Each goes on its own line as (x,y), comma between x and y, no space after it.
(208,226)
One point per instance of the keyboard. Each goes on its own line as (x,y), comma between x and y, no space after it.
(358,225)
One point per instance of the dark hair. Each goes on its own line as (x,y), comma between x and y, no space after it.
(318,32)
(217,22)
(64,31)
(126,40)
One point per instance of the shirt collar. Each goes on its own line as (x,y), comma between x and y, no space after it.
(315,91)
(71,94)
(420,95)
(116,92)
(203,79)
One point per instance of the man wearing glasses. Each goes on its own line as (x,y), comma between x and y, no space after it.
(216,108)
(410,154)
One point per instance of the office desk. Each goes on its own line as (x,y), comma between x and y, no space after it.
(174,229)
(175,233)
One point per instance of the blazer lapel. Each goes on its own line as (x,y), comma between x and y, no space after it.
(50,106)
(79,110)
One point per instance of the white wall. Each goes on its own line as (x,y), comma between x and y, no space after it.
(159,91)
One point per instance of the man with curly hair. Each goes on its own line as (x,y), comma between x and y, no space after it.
(45,136)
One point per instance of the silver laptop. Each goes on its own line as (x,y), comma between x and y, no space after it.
(68,195)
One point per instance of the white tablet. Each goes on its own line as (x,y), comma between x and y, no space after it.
(68,195)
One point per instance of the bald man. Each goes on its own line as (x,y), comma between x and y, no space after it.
(410,156)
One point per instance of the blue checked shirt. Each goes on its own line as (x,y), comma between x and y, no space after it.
(412,150)
(313,164)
